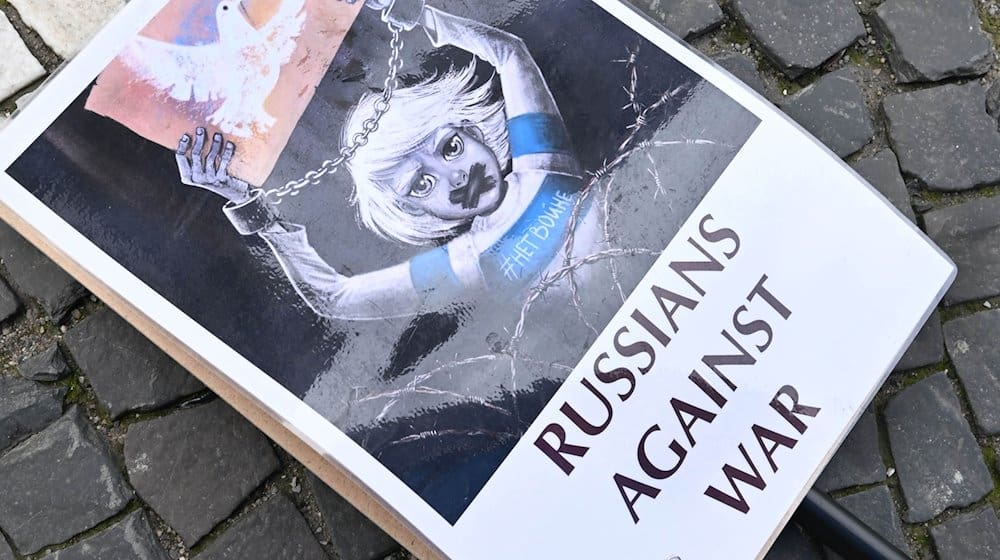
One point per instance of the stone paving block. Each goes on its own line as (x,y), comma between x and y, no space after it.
(47,365)
(66,25)
(744,68)
(944,136)
(993,100)
(930,40)
(35,275)
(195,467)
(792,544)
(18,68)
(351,534)
(970,234)
(126,370)
(131,538)
(275,531)
(5,552)
(833,109)
(9,304)
(970,536)
(938,460)
(882,171)
(858,461)
(972,344)
(685,18)
(26,408)
(799,36)
(60,482)
(874,508)
(927,348)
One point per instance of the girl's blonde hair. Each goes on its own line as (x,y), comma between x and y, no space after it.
(415,114)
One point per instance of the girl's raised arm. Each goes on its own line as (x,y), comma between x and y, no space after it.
(524,88)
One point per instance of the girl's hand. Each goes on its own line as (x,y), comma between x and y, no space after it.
(212,172)
(401,13)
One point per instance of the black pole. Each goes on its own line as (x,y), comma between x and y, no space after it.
(839,530)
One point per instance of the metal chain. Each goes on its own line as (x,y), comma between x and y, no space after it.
(360,139)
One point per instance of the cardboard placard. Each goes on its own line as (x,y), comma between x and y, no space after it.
(574,291)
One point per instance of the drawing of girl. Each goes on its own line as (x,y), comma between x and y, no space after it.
(488,182)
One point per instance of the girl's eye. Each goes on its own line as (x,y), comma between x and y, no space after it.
(423,186)
(453,148)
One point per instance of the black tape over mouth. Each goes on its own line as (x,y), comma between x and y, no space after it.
(478,183)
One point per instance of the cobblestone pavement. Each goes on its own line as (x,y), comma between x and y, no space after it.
(905,90)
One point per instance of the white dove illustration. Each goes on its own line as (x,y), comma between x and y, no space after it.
(241,69)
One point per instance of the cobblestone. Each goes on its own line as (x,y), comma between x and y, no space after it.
(799,36)
(26,408)
(131,538)
(970,233)
(18,68)
(686,18)
(275,530)
(58,483)
(47,365)
(939,463)
(66,25)
(945,141)
(927,347)
(125,369)
(882,171)
(858,462)
(32,273)
(745,69)
(875,508)
(833,109)
(933,39)
(352,536)
(944,137)
(972,343)
(196,466)
(970,536)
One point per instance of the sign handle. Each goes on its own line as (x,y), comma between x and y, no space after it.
(841,531)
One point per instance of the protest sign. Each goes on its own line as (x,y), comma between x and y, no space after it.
(524,279)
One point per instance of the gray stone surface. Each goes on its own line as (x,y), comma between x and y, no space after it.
(59,482)
(686,18)
(938,461)
(792,544)
(5,552)
(858,461)
(26,408)
(18,68)
(47,365)
(35,275)
(993,100)
(882,171)
(944,136)
(66,25)
(974,349)
(970,234)
(131,538)
(932,40)
(9,304)
(126,370)
(833,109)
(874,507)
(195,466)
(744,68)
(927,347)
(799,35)
(969,536)
(351,534)
(275,530)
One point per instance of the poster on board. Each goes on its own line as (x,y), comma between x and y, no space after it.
(535,277)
